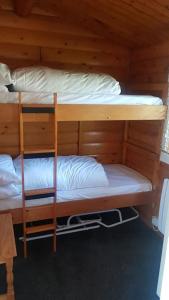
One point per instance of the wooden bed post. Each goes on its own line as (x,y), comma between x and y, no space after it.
(124,142)
(55,168)
(21,137)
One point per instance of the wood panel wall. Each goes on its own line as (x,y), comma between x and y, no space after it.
(142,153)
(55,42)
(103,140)
(142,147)
(150,67)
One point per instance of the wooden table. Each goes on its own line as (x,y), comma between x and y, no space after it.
(7,252)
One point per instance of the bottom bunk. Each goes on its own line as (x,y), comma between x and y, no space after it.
(123,147)
(125,188)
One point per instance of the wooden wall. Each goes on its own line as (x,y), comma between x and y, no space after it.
(142,148)
(142,153)
(103,140)
(149,70)
(55,42)
(150,67)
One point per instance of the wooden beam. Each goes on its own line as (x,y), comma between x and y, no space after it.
(23,8)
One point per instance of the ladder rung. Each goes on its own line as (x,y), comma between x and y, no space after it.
(38,153)
(39,228)
(39,193)
(29,109)
(37,105)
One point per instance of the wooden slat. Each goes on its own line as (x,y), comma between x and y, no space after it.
(113,158)
(33,150)
(50,39)
(34,117)
(157,65)
(76,10)
(42,23)
(39,191)
(83,57)
(99,148)
(101,137)
(137,23)
(84,206)
(143,161)
(102,126)
(11,150)
(23,8)
(67,127)
(150,77)
(154,89)
(117,112)
(146,134)
(40,228)
(68,149)
(156,51)
(124,22)
(68,138)
(19,51)
(9,112)
(7,240)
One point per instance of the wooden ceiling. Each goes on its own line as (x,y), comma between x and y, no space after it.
(132,23)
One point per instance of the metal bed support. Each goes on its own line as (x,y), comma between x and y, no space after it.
(88,224)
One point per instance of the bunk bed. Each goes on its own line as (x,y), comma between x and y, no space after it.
(138,154)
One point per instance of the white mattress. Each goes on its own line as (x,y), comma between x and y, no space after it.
(122,180)
(63,98)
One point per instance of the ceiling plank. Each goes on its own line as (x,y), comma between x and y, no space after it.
(77,11)
(23,8)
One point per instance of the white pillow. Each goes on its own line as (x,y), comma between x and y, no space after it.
(7,170)
(7,177)
(3,89)
(43,79)
(8,191)
(73,172)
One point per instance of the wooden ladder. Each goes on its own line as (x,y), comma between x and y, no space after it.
(36,113)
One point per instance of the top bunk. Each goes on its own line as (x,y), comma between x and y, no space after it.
(79,97)
(82,112)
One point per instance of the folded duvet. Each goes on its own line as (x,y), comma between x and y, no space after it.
(73,172)
(43,79)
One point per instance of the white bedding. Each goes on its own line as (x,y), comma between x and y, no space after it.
(73,172)
(68,98)
(43,79)
(122,180)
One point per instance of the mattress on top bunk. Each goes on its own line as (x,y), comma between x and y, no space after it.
(67,98)
(122,180)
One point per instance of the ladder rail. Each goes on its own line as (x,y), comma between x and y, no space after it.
(21,128)
(27,229)
(55,169)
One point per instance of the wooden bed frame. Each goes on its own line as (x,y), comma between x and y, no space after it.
(69,208)
(89,112)
(139,149)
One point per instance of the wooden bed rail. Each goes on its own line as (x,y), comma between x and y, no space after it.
(92,112)
(82,206)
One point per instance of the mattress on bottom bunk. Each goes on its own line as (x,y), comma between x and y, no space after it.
(63,98)
(122,180)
